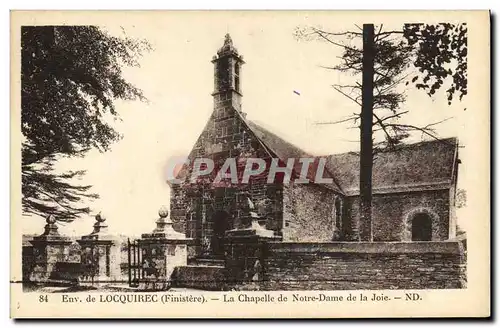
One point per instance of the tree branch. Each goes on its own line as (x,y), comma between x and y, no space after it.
(354,117)
(336,34)
(71,211)
(415,128)
(389,32)
(383,127)
(392,116)
(319,32)
(346,95)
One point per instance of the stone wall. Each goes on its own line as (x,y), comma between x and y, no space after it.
(347,266)
(28,261)
(392,213)
(308,213)
(72,260)
(200,277)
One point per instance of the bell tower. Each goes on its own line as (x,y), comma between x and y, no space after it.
(227,76)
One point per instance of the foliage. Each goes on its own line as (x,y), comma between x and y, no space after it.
(436,51)
(70,78)
(441,52)
(461,198)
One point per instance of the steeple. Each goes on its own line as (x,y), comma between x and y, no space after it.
(228,47)
(227,69)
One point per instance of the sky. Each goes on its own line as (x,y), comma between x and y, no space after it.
(177,78)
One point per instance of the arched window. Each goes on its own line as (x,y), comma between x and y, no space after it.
(421,227)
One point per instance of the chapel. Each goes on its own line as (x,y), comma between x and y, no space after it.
(414,186)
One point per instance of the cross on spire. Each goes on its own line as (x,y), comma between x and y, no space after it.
(228,47)
(228,40)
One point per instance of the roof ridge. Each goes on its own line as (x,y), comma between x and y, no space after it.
(418,162)
(400,146)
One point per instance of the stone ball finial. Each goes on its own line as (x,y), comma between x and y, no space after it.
(50,219)
(100,218)
(163,212)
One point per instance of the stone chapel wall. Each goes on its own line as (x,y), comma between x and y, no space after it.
(392,213)
(225,136)
(308,213)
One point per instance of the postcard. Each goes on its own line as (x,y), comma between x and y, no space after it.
(250,164)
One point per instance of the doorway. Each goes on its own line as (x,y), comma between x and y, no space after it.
(220,221)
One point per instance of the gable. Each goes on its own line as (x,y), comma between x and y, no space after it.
(226,134)
(284,150)
(266,144)
(421,166)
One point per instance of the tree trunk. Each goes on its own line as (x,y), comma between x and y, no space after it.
(366,151)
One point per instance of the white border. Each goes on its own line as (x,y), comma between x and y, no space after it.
(191,4)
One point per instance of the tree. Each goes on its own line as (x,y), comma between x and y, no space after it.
(437,51)
(366,132)
(441,52)
(425,55)
(461,198)
(70,78)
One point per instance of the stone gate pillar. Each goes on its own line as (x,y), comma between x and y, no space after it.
(48,249)
(161,252)
(246,248)
(100,254)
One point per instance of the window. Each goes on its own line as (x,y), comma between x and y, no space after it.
(223,74)
(237,77)
(421,227)
(222,132)
(338,214)
(337,219)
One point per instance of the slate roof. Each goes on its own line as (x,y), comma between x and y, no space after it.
(425,165)
(284,150)
(417,166)
(279,148)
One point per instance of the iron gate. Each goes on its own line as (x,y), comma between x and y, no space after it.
(135,271)
(89,262)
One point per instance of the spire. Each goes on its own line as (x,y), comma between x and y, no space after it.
(227,75)
(228,47)
(228,40)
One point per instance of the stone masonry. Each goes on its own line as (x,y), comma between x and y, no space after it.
(417,181)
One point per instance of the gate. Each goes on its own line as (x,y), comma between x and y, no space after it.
(89,262)
(135,271)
